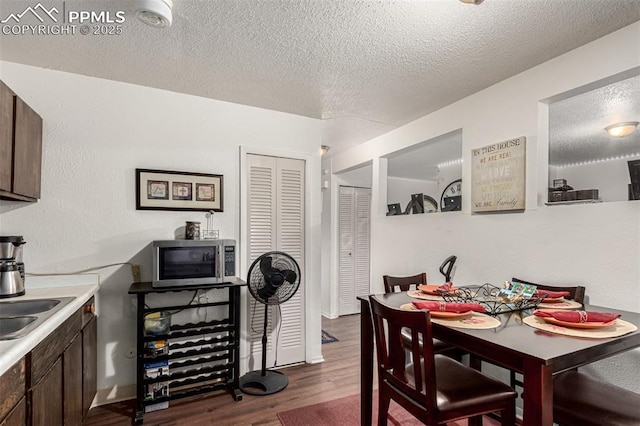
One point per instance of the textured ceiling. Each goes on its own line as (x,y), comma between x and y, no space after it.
(363,66)
(422,161)
(576,124)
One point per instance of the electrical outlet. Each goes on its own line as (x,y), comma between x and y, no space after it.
(130,353)
(135,272)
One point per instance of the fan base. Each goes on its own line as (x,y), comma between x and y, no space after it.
(255,383)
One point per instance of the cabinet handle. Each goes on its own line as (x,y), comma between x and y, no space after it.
(90,309)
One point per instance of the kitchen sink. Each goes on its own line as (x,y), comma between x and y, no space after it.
(11,325)
(18,318)
(27,307)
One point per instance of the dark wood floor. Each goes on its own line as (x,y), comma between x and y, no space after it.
(337,377)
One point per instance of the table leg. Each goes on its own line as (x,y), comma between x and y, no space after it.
(538,395)
(366,365)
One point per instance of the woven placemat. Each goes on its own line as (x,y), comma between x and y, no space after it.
(420,295)
(475,321)
(619,328)
(565,304)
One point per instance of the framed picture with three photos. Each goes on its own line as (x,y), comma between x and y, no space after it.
(174,190)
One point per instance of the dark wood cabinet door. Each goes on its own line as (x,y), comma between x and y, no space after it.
(27,151)
(89,364)
(6,136)
(12,387)
(46,398)
(72,371)
(18,416)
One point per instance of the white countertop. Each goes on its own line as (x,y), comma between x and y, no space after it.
(81,287)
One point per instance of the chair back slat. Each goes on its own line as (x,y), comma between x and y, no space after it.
(393,362)
(576,293)
(392,284)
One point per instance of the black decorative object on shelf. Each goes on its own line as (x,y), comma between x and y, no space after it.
(394,209)
(634,175)
(421,203)
(487,296)
(417,203)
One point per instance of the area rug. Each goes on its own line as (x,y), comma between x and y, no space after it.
(328,338)
(346,412)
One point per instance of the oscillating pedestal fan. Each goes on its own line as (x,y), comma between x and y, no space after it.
(273,278)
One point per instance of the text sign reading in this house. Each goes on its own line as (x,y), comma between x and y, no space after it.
(498,176)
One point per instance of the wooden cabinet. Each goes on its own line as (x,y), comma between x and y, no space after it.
(89,364)
(56,382)
(6,136)
(17,416)
(64,367)
(20,148)
(72,384)
(47,398)
(12,389)
(27,151)
(80,369)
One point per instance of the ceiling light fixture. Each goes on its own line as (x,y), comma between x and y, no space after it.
(324,149)
(156,13)
(619,130)
(476,2)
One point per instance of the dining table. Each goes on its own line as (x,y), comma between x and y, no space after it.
(537,354)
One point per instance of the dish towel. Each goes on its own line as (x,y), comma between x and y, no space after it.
(449,306)
(552,294)
(578,316)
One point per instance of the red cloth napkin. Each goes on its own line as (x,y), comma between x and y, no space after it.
(552,294)
(448,286)
(578,316)
(449,306)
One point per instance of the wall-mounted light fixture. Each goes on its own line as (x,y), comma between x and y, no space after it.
(156,13)
(472,1)
(324,149)
(619,130)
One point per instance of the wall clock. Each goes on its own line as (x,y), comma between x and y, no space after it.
(451,199)
(430,205)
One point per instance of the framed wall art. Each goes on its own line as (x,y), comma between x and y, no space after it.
(498,177)
(172,190)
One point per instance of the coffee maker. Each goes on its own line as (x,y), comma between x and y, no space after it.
(11,266)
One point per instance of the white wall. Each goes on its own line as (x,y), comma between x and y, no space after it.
(610,178)
(597,245)
(357,177)
(96,133)
(399,190)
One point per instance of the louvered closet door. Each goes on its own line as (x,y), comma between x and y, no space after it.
(290,233)
(275,214)
(354,228)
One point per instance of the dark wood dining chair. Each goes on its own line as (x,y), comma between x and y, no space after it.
(579,399)
(397,284)
(412,282)
(576,293)
(434,388)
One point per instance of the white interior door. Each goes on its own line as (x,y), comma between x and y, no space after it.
(275,216)
(354,227)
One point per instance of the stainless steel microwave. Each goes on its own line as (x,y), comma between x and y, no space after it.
(193,262)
